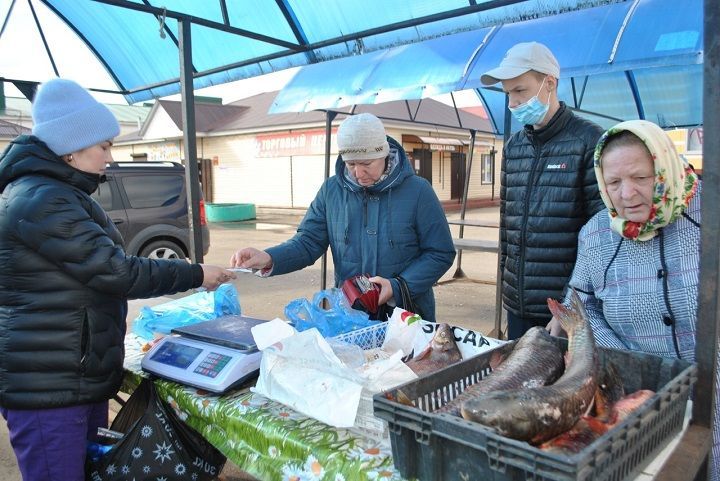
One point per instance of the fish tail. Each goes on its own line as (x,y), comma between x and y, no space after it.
(569,318)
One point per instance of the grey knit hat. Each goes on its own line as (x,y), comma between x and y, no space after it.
(362,137)
(67,118)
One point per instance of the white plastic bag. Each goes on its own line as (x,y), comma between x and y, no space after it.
(303,372)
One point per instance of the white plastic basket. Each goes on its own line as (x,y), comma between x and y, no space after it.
(367,338)
(366,424)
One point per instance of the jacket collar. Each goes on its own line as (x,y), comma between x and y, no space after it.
(556,124)
(28,155)
(401,171)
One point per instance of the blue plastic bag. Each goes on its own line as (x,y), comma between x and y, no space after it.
(201,306)
(338,319)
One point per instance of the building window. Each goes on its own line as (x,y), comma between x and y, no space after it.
(486,168)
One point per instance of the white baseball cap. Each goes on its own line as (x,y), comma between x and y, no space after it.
(522,58)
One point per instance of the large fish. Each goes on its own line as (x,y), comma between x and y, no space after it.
(588,428)
(538,414)
(536,360)
(441,352)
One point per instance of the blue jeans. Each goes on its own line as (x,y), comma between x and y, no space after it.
(50,444)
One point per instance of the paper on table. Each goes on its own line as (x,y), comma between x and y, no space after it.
(304,373)
(268,333)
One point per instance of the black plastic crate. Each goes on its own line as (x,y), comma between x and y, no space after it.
(442,447)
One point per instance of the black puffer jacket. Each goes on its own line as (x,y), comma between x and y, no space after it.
(64,281)
(548,191)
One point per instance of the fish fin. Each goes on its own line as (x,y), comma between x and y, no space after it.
(497,358)
(597,425)
(424,354)
(402,398)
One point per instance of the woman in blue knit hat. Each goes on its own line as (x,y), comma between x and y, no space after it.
(64,284)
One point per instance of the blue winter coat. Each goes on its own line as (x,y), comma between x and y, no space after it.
(394,228)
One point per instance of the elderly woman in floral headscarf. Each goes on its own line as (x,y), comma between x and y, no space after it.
(639,259)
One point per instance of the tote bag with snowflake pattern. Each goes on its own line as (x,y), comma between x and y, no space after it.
(156,445)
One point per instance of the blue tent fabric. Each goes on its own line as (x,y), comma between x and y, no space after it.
(146,66)
(618,62)
(621,59)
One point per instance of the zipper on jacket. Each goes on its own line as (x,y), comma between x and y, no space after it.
(84,343)
(523,239)
(365,207)
(668,320)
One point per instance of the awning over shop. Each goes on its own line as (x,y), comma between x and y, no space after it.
(621,61)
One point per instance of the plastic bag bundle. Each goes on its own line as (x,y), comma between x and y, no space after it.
(155,445)
(338,318)
(201,306)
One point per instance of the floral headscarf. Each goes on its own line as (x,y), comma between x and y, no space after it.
(675,181)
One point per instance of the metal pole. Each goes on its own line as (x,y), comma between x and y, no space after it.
(466,190)
(709,304)
(329,117)
(690,458)
(192,180)
(499,274)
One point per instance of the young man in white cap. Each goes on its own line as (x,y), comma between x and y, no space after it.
(377,217)
(64,284)
(548,188)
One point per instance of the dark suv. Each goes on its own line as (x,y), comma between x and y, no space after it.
(147,201)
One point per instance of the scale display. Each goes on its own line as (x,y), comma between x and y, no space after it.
(201,364)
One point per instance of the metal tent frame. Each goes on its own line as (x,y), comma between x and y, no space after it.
(689,458)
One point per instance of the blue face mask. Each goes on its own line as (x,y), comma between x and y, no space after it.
(533,111)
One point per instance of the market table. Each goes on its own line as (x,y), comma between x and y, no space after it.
(272,442)
(265,438)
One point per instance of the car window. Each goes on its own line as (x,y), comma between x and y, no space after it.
(152,190)
(103,196)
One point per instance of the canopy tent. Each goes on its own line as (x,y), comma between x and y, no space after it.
(140,41)
(626,61)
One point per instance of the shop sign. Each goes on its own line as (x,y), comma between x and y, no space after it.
(306,142)
(450,148)
(169,152)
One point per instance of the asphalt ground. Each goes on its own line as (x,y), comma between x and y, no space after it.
(468,302)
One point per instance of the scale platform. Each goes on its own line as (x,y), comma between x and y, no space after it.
(214,355)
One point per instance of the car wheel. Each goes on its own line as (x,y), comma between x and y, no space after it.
(163,249)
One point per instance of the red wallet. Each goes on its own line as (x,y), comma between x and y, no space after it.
(361,293)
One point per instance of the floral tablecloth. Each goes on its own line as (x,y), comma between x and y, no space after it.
(266,438)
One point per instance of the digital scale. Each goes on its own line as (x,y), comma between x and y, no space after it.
(214,355)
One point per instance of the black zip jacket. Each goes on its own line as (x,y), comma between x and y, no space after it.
(64,281)
(548,191)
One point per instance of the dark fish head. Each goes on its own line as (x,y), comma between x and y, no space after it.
(609,391)
(499,411)
(444,340)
